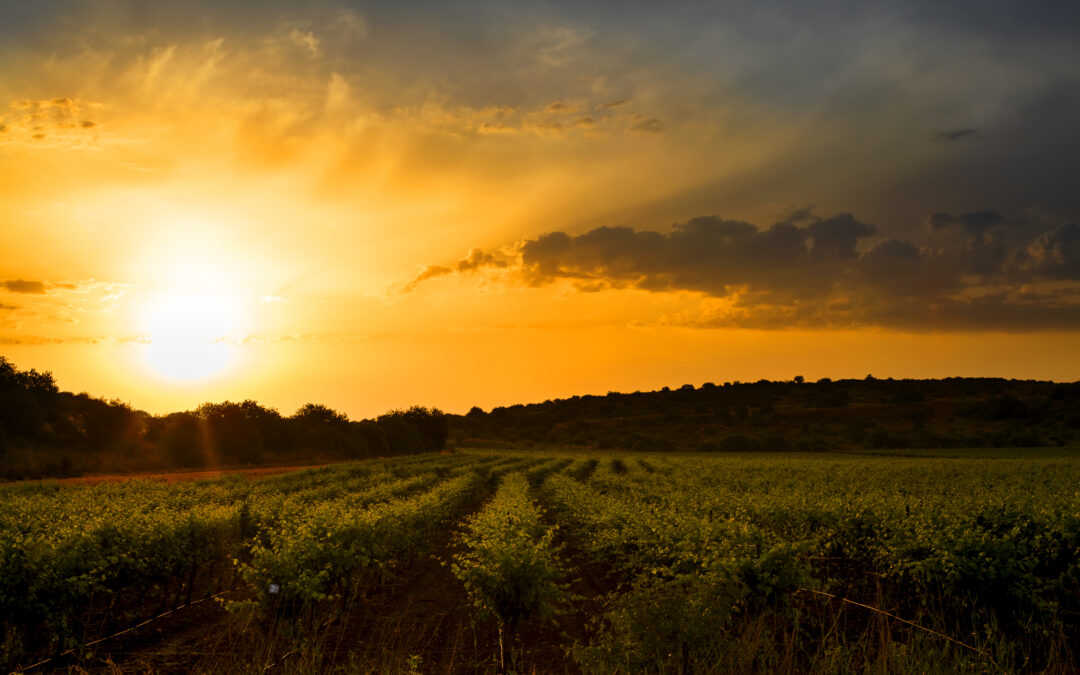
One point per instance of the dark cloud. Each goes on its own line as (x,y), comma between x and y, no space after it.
(981,221)
(986,240)
(993,273)
(1055,254)
(613,104)
(5,306)
(938,221)
(649,126)
(835,238)
(707,254)
(23,286)
(973,223)
(899,269)
(951,135)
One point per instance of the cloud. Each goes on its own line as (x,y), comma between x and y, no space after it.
(650,125)
(305,40)
(5,306)
(546,128)
(557,119)
(476,259)
(952,135)
(23,286)
(560,107)
(428,272)
(39,340)
(65,104)
(557,46)
(34,287)
(61,121)
(800,214)
(707,254)
(979,221)
(835,238)
(613,104)
(495,128)
(1001,311)
(996,273)
(1055,254)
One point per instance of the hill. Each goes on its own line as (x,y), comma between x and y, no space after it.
(793,415)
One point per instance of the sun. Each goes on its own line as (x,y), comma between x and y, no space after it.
(191,334)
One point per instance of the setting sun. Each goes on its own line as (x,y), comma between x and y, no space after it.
(189,335)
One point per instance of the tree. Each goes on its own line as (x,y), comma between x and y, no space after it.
(320,428)
(417,429)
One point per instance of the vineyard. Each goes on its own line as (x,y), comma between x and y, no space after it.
(485,562)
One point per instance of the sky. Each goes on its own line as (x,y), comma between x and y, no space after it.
(373,205)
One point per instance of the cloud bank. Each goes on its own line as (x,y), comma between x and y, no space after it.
(972,271)
(23,286)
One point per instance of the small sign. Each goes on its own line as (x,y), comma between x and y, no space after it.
(274,588)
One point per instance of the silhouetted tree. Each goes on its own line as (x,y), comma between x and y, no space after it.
(178,436)
(323,429)
(417,429)
(233,430)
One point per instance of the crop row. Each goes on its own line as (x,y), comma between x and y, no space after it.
(696,547)
(76,561)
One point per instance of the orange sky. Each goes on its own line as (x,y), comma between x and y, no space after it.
(369,207)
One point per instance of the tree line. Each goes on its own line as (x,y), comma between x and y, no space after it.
(48,432)
(791,415)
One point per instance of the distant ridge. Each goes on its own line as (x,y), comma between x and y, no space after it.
(793,415)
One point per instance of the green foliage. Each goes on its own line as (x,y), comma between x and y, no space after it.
(661,624)
(331,548)
(698,552)
(699,544)
(510,567)
(65,553)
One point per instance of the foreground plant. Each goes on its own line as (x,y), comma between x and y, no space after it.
(510,566)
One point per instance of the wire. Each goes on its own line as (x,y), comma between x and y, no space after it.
(128,630)
(903,620)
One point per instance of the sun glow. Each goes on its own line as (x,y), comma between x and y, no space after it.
(191,334)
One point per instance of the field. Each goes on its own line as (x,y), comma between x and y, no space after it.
(907,561)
